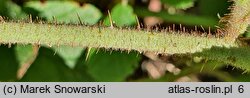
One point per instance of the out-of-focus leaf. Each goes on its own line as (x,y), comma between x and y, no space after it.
(16,11)
(186,19)
(3,8)
(69,54)
(115,66)
(179,4)
(66,11)
(11,10)
(122,15)
(48,67)
(8,64)
(213,7)
(242,77)
(81,69)
(23,53)
(247,33)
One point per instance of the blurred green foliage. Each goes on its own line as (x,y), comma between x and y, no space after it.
(66,63)
(179,4)
(122,15)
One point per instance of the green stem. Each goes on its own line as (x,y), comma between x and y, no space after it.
(104,37)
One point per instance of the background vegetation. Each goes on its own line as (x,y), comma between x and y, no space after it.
(65,63)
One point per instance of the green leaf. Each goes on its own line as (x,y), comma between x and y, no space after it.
(242,77)
(179,4)
(24,53)
(187,19)
(122,15)
(8,64)
(48,67)
(70,55)
(66,11)
(3,8)
(238,57)
(11,10)
(247,33)
(218,7)
(81,68)
(115,66)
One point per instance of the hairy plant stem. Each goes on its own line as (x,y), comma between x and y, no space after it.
(104,37)
(238,20)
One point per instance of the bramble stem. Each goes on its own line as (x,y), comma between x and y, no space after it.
(105,37)
(238,20)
